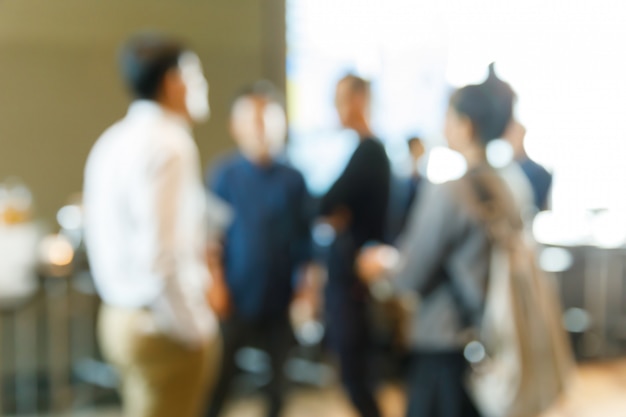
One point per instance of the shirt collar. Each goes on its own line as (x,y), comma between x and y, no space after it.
(149,108)
(256,167)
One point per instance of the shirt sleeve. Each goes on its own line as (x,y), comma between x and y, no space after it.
(432,227)
(164,190)
(304,220)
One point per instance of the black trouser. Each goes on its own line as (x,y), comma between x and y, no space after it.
(275,337)
(349,327)
(349,339)
(436,386)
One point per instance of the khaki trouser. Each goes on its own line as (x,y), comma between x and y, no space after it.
(159,376)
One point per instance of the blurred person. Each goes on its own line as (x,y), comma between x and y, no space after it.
(356,207)
(445,256)
(539,178)
(417,151)
(267,249)
(404,191)
(20,236)
(145,219)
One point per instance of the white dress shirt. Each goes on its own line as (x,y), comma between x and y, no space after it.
(146,221)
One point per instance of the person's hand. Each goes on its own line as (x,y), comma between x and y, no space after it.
(374,261)
(303,308)
(219,299)
(307,300)
(339,220)
(218,295)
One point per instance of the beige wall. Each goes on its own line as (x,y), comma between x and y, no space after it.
(59,86)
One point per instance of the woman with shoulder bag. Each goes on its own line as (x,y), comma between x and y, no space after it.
(445,253)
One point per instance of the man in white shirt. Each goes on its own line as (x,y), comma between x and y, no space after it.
(146,220)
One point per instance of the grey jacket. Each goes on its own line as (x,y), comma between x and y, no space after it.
(445,258)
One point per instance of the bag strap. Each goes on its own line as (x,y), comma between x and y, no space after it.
(492,214)
(493,217)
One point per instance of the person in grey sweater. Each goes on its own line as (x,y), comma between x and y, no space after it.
(444,256)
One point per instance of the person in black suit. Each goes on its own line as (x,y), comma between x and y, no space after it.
(356,207)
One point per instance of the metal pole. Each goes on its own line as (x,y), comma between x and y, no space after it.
(58,338)
(26,390)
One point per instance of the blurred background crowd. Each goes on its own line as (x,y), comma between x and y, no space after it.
(206,203)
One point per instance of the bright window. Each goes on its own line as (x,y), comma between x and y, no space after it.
(564,58)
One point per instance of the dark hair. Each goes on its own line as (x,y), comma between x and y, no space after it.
(489,106)
(145,59)
(357,84)
(262,89)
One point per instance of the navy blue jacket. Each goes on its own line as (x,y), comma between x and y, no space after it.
(270,236)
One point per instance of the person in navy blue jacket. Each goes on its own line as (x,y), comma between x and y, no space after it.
(538,177)
(267,249)
(404,191)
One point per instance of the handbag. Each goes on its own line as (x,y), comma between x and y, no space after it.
(522,360)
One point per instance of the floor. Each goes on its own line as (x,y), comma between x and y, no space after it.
(598,390)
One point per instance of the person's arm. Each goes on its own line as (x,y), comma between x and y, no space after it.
(218,294)
(335,205)
(432,228)
(219,216)
(307,300)
(162,211)
(431,231)
(305,215)
(308,278)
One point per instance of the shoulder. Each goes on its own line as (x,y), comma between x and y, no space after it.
(455,200)
(371,152)
(291,175)
(288,170)
(372,146)
(152,141)
(108,138)
(224,168)
(500,196)
(533,168)
(226,164)
(112,145)
(447,193)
